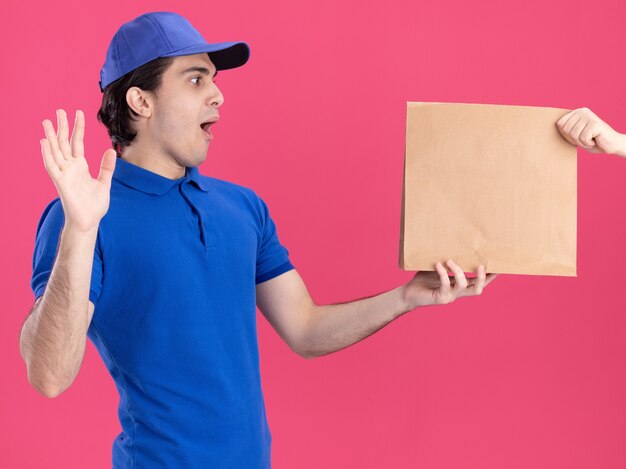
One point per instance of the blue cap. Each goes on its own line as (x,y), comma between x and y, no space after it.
(163,34)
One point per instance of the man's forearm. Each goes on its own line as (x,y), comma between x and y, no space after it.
(53,338)
(334,327)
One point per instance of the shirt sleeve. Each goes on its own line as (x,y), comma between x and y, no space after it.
(46,246)
(272,257)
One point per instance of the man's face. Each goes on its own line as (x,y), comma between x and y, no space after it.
(187,98)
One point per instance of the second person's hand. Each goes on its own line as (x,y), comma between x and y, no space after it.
(581,127)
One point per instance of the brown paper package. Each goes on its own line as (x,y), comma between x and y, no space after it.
(488,184)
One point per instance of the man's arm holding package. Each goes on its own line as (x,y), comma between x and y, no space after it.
(312,330)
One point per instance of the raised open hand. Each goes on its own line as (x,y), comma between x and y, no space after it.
(85,200)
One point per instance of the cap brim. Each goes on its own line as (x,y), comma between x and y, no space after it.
(224,55)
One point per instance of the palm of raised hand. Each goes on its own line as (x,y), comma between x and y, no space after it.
(85,200)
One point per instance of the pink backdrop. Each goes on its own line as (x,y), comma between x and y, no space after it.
(531,374)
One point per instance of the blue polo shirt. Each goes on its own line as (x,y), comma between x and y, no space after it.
(173,283)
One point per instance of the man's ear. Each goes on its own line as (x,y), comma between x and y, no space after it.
(139,101)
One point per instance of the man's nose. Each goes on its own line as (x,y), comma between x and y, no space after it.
(216,98)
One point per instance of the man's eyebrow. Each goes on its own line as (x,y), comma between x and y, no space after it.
(203,70)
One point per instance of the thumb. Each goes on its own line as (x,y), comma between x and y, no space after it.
(107,167)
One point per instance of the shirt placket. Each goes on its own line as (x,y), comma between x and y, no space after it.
(203,234)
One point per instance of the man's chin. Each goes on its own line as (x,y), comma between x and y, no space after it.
(200,158)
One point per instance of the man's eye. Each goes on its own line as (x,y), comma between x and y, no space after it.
(199,78)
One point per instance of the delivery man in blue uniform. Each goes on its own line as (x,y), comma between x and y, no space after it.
(163,267)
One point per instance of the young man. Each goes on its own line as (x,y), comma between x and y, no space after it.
(162,267)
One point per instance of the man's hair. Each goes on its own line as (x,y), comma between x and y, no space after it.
(115,113)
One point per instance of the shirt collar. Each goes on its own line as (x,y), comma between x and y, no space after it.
(152,183)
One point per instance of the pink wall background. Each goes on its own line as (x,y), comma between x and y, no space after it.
(531,374)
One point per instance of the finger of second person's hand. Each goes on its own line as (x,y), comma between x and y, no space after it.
(63,134)
(569,125)
(567,130)
(460,282)
(78,135)
(578,129)
(565,123)
(563,120)
(52,141)
(587,136)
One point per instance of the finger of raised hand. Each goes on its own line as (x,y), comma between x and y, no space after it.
(48,160)
(107,167)
(53,144)
(63,134)
(78,135)
(460,282)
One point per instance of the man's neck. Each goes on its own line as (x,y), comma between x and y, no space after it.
(153,162)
